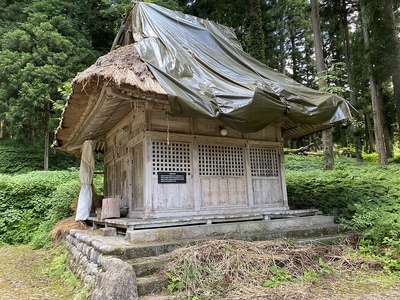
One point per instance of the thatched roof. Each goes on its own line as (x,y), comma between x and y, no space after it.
(119,72)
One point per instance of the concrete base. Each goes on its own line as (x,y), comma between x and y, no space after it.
(249,230)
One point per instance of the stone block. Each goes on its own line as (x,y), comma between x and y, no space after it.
(108,231)
(105,287)
(94,256)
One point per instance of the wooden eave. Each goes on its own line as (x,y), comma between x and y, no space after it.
(294,130)
(105,108)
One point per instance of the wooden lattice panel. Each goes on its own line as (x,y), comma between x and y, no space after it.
(220,161)
(174,157)
(264,162)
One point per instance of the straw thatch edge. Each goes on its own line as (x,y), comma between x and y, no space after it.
(122,68)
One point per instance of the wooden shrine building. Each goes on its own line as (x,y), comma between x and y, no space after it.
(190,125)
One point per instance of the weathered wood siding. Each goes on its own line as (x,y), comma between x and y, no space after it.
(267,191)
(224,174)
(123,160)
(223,192)
(171,157)
(137,178)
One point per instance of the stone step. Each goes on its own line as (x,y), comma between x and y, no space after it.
(146,266)
(147,280)
(93,249)
(156,284)
(251,231)
(149,284)
(156,249)
(310,231)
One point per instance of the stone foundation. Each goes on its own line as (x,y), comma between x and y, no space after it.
(98,261)
(89,255)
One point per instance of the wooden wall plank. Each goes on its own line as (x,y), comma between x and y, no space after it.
(161,121)
(137,178)
(267,191)
(223,192)
(172,196)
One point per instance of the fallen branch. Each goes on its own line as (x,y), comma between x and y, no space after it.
(299,150)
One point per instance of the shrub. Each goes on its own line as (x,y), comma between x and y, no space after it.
(364,196)
(31,203)
(17,158)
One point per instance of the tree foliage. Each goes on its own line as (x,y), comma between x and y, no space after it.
(38,54)
(45,43)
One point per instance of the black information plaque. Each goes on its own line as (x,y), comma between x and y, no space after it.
(171,177)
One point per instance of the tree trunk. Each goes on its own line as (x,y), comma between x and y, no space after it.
(388,142)
(390,18)
(47,138)
(46,151)
(256,43)
(358,147)
(386,131)
(299,150)
(346,46)
(295,67)
(319,58)
(370,135)
(343,137)
(376,103)
(282,66)
(328,149)
(378,123)
(1,128)
(319,54)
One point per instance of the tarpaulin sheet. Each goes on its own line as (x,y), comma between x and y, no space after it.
(206,73)
(86,171)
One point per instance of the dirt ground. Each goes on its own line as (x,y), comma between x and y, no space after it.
(27,274)
(362,287)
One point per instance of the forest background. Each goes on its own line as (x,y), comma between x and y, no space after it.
(44,43)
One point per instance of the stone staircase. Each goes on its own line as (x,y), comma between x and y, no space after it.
(153,286)
(146,249)
(146,268)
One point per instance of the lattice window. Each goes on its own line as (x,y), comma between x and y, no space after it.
(220,161)
(174,157)
(264,162)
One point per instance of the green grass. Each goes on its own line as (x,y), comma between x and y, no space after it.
(36,274)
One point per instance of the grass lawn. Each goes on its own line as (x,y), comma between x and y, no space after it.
(34,274)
